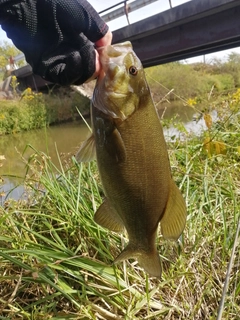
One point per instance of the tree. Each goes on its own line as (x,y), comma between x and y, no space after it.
(7,50)
(233,67)
(234,58)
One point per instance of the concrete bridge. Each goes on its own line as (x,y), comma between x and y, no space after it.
(194,28)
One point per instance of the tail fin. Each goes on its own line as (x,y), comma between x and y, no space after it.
(150,262)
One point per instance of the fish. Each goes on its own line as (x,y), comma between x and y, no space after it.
(132,158)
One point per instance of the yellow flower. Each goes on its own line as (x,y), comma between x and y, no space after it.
(28,91)
(192,102)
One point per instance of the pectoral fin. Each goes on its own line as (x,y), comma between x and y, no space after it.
(107,217)
(108,137)
(115,146)
(174,217)
(87,151)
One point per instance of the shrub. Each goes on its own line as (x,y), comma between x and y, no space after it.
(36,110)
(28,113)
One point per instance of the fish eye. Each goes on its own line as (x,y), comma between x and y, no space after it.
(133,70)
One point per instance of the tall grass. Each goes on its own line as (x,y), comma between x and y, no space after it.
(56,263)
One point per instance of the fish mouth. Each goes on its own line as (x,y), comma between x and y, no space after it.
(117,95)
(113,52)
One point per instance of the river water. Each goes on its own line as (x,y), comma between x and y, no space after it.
(64,138)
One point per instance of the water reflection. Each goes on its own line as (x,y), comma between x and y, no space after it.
(178,109)
(179,113)
(12,188)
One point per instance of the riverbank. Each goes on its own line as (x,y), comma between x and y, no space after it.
(32,110)
(201,83)
(56,262)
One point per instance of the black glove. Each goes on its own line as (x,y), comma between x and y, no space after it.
(56,36)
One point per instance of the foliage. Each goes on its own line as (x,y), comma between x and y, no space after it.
(56,262)
(34,110)
(175,81)
(7,50)
(28,113)
(181,78)
(231,67)
(62,103)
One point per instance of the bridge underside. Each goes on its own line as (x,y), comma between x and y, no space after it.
(194,28)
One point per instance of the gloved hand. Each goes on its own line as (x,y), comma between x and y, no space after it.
(57,37)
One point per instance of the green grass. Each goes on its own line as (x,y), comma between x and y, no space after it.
(56,263)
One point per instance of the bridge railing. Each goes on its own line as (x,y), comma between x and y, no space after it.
(108,14)
(125,8)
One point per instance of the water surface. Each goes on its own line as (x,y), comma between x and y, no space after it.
(17,148)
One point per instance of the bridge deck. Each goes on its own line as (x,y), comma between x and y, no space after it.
(191,29)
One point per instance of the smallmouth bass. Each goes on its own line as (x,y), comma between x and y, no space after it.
(132,159)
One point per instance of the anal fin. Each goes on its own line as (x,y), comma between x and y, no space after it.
(107,217)
(174,218)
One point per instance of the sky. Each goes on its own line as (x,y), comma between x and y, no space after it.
(151,9)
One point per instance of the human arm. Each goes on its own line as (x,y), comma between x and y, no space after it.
(56,36)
